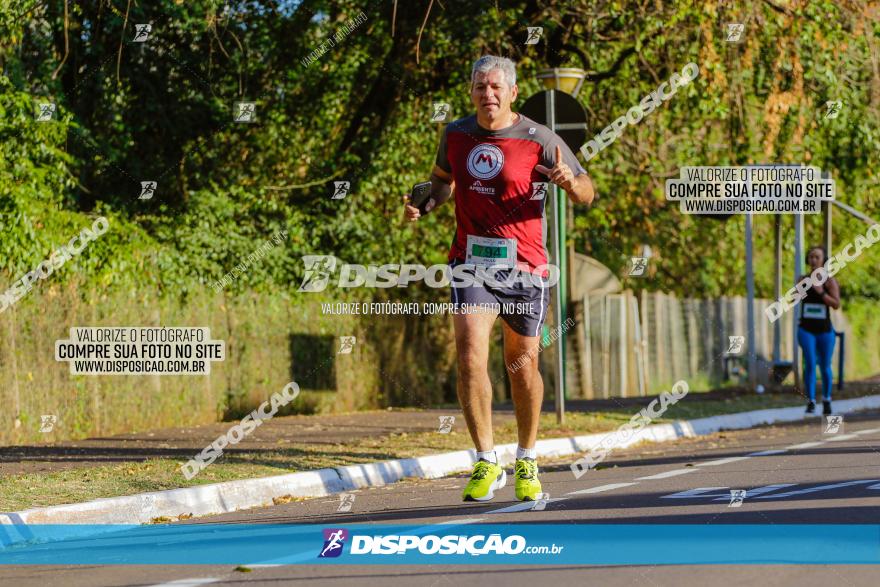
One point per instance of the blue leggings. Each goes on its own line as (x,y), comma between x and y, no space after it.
(817,347)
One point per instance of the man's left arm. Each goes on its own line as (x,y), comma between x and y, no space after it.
(578,187)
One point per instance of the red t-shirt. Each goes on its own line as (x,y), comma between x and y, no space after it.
(498,192)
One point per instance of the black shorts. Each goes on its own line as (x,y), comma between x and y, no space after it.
(522,301)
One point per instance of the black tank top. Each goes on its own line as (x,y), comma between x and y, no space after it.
(811,313)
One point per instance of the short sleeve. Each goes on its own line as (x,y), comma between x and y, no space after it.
(548,157)
(442,159)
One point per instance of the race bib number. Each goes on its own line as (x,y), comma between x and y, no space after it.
(815,311)
(491,252)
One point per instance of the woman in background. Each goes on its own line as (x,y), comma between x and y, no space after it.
(815,333)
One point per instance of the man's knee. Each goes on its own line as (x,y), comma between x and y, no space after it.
(522,365)
(471,364)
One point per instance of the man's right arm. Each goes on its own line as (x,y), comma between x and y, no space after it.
(441,181)
(441,189)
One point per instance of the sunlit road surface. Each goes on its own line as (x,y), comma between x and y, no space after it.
(792,474)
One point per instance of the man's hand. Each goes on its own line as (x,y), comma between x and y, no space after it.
(411,213)
(579,188)
(561,174)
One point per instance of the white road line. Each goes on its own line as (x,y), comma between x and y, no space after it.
(188,582)
(523,506)
(765,453)
(804,445)
(665,474)
(461,521)
(820,488)
(722,461)
(841,437)
(760,490)
(705,492)
(869,431)
(601,488)
(692,493)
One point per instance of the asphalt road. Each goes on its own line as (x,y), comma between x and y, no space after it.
(793,474)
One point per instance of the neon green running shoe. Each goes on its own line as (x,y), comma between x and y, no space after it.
(528,488)
(485,480)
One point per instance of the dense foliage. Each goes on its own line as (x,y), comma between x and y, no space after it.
(162,110)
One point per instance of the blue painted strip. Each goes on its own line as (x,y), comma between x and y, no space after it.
(565,544)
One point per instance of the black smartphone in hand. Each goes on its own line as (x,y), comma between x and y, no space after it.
(421,194)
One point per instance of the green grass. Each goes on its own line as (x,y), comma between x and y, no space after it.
(75,485)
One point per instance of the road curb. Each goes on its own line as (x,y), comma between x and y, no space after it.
(231,496)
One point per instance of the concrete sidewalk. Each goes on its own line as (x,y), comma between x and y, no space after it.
(324,429)
(183,443)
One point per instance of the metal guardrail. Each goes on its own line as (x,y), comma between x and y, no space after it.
(854,212)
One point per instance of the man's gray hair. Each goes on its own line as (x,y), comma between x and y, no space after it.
(487,63)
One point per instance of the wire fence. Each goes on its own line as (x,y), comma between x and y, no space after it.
(624,346)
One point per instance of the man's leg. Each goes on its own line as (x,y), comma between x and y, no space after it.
(527,387)
(475,396)
(472,333)
(527,390)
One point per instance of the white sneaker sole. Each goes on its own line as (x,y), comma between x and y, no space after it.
(496,485)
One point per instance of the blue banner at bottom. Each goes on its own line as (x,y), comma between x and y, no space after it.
(355,544)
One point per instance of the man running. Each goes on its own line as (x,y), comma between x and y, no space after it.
(498,161)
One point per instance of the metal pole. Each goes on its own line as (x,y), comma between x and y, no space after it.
(777,288)
(559,242)
(750,305)
(827,219)
(798,264)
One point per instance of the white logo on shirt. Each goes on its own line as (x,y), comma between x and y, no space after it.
(480,188)
(485,161)
(539,190)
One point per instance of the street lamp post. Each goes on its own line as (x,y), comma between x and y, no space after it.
(558,80)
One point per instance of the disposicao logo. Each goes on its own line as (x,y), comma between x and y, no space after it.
(431,544)
(334,542)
